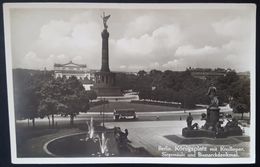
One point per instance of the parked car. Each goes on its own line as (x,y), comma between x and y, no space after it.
(124,114)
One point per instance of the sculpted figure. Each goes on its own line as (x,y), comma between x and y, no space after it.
(189,122)
(105,18)
(212,92)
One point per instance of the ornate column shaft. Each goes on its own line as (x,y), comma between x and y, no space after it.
(105,51)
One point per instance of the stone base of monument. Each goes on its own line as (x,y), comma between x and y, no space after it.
(237,131)
(106,84)
(197,133)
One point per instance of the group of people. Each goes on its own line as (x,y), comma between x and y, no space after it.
(189,123)
(120,136)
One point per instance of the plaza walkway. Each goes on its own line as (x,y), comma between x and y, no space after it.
(150,134)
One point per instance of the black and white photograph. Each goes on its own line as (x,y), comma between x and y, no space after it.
(131,83)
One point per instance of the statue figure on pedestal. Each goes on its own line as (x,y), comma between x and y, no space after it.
(212,93)
(189,122)
(105,18)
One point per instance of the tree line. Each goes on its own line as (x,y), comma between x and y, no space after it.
(38,94)
(182,87)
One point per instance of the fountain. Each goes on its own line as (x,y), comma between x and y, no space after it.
(93,143)
(97,144)
(103,145)
(90,129)
(90,133)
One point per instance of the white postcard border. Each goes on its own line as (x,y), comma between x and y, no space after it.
(100,160)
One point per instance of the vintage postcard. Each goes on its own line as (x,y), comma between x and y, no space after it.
(131,83)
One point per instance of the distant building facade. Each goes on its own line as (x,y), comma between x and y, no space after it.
(86,76)
(205,73)
(71,69)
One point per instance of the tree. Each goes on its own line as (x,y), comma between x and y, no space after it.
(48,107)
(238,107)
(141,73)
(50,94)
(231,77)
(92,95)
(240,96)
(181,86)
(172,86)
(74,97)
(26,104)
(145,94)
(143,82)
(187,99)
(156,77)
(26,99)
(126,81)
(63,96)
(234,90)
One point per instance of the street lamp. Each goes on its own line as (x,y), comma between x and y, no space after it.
(103,110)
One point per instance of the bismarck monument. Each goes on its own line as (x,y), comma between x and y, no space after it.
(105,84)
(213,126)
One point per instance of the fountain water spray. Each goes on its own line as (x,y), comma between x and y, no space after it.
(90,129)
(103,144)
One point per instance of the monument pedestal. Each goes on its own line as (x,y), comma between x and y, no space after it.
(212,128)
(212,117)
(105,84)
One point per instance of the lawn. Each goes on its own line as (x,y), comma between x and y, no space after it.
(138,107)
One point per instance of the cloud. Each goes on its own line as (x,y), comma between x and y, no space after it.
(123,66)
(135,46)
(138,39)
(77,41)
(31,61)
(136,67)
(154,65)
(82,17)
(55,29)
(238,54)
(165,37)
(84,35)
(77,59)
(62,34)
(189,50)
(232,27)
(134,28)
(176,64)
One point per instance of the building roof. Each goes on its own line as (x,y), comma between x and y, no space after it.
(70,64)
(70,71)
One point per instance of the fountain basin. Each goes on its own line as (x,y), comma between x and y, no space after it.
(75,145)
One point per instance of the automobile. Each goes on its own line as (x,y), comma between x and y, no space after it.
(124,114)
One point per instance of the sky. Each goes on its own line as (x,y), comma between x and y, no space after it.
(140,38)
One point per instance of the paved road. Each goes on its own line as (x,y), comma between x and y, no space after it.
(142,116)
